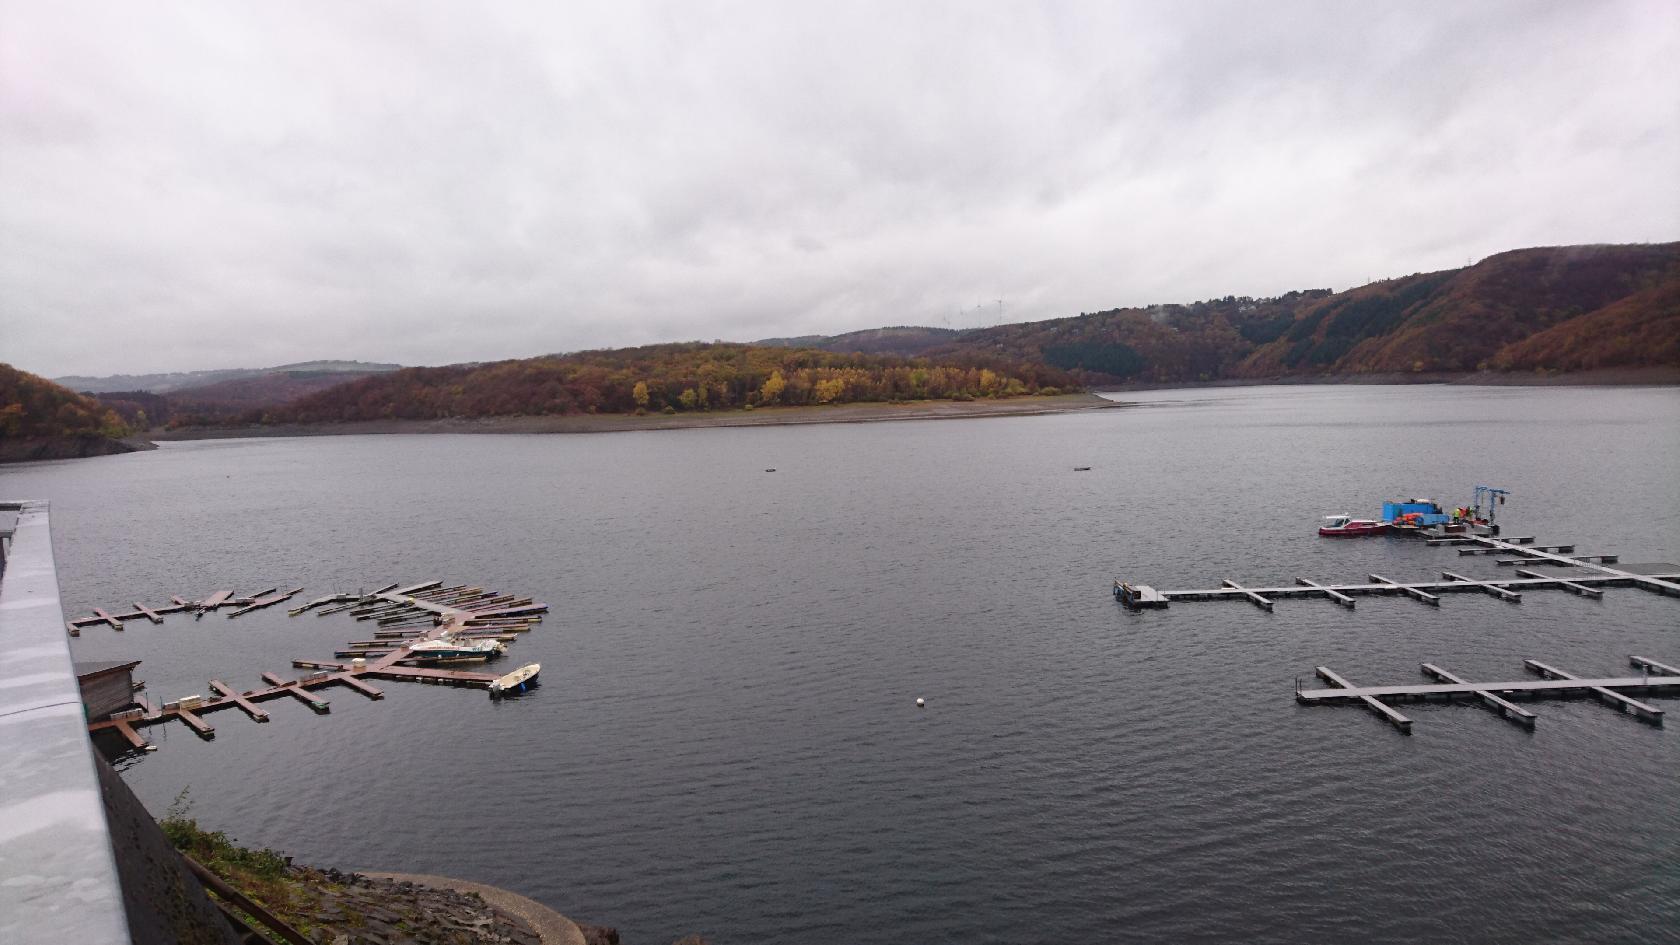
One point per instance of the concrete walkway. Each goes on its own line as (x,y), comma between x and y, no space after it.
(58,874)
(554,928)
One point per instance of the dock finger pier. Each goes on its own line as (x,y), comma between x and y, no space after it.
(1533,567)
(422,633)
(1552,683)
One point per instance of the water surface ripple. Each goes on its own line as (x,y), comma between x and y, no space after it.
(726,740)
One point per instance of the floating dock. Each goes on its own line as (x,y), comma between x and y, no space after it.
(1549,567)
(441,611)
(207,604)
(1657,679)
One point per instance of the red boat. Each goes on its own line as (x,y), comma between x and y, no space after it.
(1340,526)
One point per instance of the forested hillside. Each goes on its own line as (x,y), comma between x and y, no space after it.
(1549,310)
(1640,330)
(1552,309)
(186,380)
(240,397)
(670,378)
(41,420)
(140,410)
(900,340)
(1198,341)
(1476,318)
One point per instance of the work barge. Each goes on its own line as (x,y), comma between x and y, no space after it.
(407,617)
(1552,682)
(1535,567)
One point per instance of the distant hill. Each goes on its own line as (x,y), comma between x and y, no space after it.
(139,409)
(1569,308)
(167,383)
(232,398)
(153,400)
(670,378)
(43,420)
(1638,330)
(1544,310)
(1484,317)
(903,341)
(1162,343)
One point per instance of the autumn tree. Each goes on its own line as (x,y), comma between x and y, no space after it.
(32,406)
(771,392)
(681,377)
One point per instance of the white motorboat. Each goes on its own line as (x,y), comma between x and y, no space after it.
(455,648)
(515,681)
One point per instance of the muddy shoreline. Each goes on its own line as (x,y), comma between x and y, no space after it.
(619,423)
(878,412)
(1607,377)
(34,449)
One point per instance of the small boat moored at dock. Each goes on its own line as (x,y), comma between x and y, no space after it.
(455,648)
(515,681)
(1342,526)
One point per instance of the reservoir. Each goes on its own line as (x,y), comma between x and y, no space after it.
(727,741)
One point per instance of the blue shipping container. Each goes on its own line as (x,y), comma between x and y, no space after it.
(1429,513)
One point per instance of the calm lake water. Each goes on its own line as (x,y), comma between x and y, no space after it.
(726,739)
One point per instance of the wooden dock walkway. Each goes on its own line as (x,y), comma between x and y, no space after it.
(126,723)
(469,612)
(1584,575)
(199,608)
(1553,683)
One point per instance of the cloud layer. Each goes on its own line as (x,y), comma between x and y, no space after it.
(216,185)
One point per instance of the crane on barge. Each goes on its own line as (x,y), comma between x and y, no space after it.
(1493,498)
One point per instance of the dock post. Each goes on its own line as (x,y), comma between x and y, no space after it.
(1493,589)
(1570,586)
(127,731)
(296,691)
(1254,598)
(1371,702)
(1650,664)
(227,692)
(1408,590)
(1610,697)
(1331,593)
(1505,709)
(203,728)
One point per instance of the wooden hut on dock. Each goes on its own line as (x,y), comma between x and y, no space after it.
(107,686)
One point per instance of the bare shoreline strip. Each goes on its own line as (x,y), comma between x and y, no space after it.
(1661,376)
(878,412)
(554,928)
(618,423)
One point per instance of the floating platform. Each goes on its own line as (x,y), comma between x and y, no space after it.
(1548,569)
(437,611)
(1139,596)
(207,604)
(1657,679)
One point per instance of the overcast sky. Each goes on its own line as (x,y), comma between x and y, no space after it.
(189,186)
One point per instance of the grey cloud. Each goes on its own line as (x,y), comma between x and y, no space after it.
(190,186)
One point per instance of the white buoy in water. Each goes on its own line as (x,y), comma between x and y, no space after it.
(919,702)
